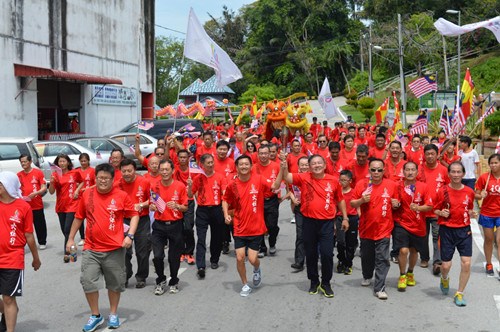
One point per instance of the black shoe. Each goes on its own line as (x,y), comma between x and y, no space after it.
(214,266)
(340,267)
(436,269)
(313,290)
(297,267)
(225,248)
(327,290)
(140,284)
(201,273)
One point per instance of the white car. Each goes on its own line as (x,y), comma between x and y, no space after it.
(10,150)
(147,143)
(50,149)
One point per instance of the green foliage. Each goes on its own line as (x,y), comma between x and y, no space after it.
(412,104)
(366,106)
(356,115)
(486,75)
(264,93)
(492,123)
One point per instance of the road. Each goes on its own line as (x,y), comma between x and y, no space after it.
(53,299)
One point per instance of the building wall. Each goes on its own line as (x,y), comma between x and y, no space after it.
(111,38)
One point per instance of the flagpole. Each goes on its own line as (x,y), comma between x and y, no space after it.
(179,90)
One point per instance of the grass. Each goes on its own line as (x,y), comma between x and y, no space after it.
(358,117)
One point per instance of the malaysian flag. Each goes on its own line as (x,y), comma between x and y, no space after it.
(423,85)
(368,189)
(445,121)
(143,125)
(158,202)
(488,112)
(420,126)
(188,127)
(410,189)
(55,168)
(194,168)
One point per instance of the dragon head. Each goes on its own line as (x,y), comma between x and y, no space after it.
(276,113)
(296,116)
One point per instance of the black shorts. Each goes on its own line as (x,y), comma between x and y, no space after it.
(11,282)
(401,238)
(451,238)
(251,242)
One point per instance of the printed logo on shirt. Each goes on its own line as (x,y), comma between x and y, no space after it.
(385,194)
(418,198)
(253,190)
(34,180)
(328,188)
(15,217)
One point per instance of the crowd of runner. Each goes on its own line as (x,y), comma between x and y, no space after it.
(347,186)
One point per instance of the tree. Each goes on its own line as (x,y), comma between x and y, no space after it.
(168,69)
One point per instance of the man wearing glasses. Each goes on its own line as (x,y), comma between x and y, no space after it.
(104,207)
(323,147)
(376,197)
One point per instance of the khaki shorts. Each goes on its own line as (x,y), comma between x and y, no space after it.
(110,265)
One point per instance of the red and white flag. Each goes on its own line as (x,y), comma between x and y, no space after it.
(158,202)
(420,126)
(423,85)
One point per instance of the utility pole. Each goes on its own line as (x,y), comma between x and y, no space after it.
(401,71)
(370,78)
(446,79)
(361,55)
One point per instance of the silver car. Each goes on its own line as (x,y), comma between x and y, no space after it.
(50,149)
(147,143)
(10,150)
(106,145)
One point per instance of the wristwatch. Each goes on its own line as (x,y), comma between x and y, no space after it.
(130,236)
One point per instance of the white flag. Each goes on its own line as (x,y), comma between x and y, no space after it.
(326,101)
(447,28)
(199,47)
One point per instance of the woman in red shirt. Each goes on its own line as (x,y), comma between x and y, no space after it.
(488,189)
(66,183)
(87,174)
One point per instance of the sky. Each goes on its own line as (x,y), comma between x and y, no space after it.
(173,14)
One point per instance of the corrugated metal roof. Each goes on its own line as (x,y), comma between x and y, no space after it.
(191,90)
(210,87)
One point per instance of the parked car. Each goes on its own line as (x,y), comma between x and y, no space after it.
(106,145)
(147,143)
(50,149)
(162,126)
(10,150)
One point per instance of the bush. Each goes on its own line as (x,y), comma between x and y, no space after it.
(412,104)
(492,123)
(366,106)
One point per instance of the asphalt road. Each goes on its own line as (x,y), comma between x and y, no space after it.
(54,301)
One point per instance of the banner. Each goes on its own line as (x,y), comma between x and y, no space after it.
(446,28)
(326,101)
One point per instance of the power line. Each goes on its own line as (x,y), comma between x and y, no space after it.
(169,29)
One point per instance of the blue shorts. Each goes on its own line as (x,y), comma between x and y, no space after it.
(489,222)
(451,238)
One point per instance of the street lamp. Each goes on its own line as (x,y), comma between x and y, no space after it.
(370,77)
(454,12)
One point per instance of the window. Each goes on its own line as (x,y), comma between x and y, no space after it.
(57,148)
(101,145)
(12,151)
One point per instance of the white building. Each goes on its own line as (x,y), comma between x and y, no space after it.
(65,58)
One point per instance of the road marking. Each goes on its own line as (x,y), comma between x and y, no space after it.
(478,239)
(181,271)
(497,302)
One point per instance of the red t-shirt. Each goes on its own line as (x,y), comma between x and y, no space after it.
(491,203)
(152,179)
(88,177)
(309,149)
(117,176)
(32,182)
(319,196)
(448,160)
(359,172)
(350,210)
(325,153)
(247,199)
(16,219)
(314,129)
(202,149)
(377,153)
(138,191)
(459,202)
(224,167)
(175,192)
(434,178)
(335,167)
(104,214)
(65,186)
(376,222)
(394,172)
(415,156)
(209,189)
(413,221)
(269,172)
(347,156)
(293,162)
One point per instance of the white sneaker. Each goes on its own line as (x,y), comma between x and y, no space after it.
(43,247)
(292,221)
(246,290)
(366,282)
(160,288)
(81,243)
(173,289)
(381,295)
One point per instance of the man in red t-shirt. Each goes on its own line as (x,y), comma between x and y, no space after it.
(115,159)
(104,207)
(208,189)
(269,171)
(376,197)
(322,149)
(33,187)
(16,230)
(414,151)
(243,205)
(207,146)
(359,166)
(335,165)
(308,147)
(395,162)
(379,151)
(321,195)
(315,128)
(454,206)
(169,201)
(435,176)
(138,189)
(409,231)
(294,156)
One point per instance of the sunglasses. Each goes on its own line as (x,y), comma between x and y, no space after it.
(322,141)
(376,170)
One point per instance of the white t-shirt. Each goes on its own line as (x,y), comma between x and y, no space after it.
(469,160)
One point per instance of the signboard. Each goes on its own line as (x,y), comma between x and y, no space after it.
(114,95)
